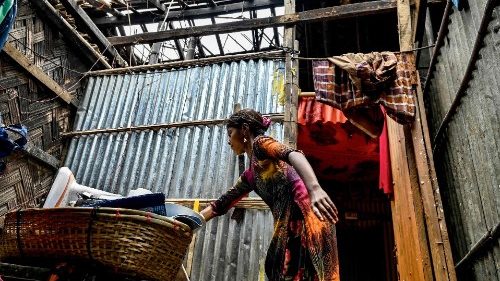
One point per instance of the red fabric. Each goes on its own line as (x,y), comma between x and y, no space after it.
(385,177)
(336,149)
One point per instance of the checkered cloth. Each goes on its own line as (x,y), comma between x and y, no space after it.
(362,80)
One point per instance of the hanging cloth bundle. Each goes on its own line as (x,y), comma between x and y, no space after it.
(8,11)
(12,138)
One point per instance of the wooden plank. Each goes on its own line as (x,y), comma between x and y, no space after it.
(323,14)
(409,229)
(71,36)
(411,261)
(442,259)
(180,14)
(37,73)
(81,15)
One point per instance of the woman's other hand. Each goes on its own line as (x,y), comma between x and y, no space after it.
(208,213)
(322,205)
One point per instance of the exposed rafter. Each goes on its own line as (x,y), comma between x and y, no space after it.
(275,29)
(72,37)
(156,48)
(195,13)
(82,16)
(217,37)
(330,13)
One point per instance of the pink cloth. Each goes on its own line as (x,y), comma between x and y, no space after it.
(385,177)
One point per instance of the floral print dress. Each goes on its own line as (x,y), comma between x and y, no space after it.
(302,248)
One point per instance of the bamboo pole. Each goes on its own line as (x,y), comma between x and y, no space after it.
(276,117)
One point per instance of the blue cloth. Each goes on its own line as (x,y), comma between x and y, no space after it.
(154,203)
(7,143)
(12,138)
(7,23)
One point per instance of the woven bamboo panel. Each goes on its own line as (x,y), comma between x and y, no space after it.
(24,100)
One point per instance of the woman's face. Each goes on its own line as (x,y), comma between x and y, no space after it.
(236,140)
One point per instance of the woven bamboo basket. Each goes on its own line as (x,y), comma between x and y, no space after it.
(132,242)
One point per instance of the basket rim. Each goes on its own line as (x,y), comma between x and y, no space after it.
(107,212)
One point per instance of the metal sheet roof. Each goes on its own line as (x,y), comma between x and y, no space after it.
(186,162)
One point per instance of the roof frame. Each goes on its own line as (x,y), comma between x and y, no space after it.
(330,13)
(75,9)
(179,14)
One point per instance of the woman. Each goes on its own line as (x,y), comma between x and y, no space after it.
(304,245)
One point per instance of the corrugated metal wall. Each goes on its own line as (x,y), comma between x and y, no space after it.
(188,162)
(468,159)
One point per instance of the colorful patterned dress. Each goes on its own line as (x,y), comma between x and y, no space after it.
(303,248)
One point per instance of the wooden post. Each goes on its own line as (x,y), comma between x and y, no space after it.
(409,229)
(291,82)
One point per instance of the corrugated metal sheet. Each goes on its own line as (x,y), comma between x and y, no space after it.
(468,160)
(189,162)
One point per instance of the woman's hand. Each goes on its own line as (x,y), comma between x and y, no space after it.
(207,213)
(322,205)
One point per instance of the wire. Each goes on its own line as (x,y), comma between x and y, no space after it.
(412,50)
(44,57)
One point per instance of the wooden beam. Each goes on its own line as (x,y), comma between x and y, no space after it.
(82,16)
(275,29)
(156,48)
(195,13)
(267,54)
(42,156)
(37,73)
(324,14)
(157,5)
(70,35)
(217,37)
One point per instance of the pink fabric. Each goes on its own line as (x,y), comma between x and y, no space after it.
(385,177)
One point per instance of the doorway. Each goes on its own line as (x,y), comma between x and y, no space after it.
(346,162)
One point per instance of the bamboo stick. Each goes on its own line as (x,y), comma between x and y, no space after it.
(276,117)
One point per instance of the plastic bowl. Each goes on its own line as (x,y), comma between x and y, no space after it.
(184,215)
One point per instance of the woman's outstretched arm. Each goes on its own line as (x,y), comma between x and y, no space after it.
(321,203)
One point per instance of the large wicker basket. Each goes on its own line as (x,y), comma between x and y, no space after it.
(133,242)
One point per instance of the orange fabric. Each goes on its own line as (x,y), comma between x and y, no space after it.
(310,111)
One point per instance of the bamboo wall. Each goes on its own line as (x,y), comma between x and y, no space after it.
(467,157)
(24,100)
